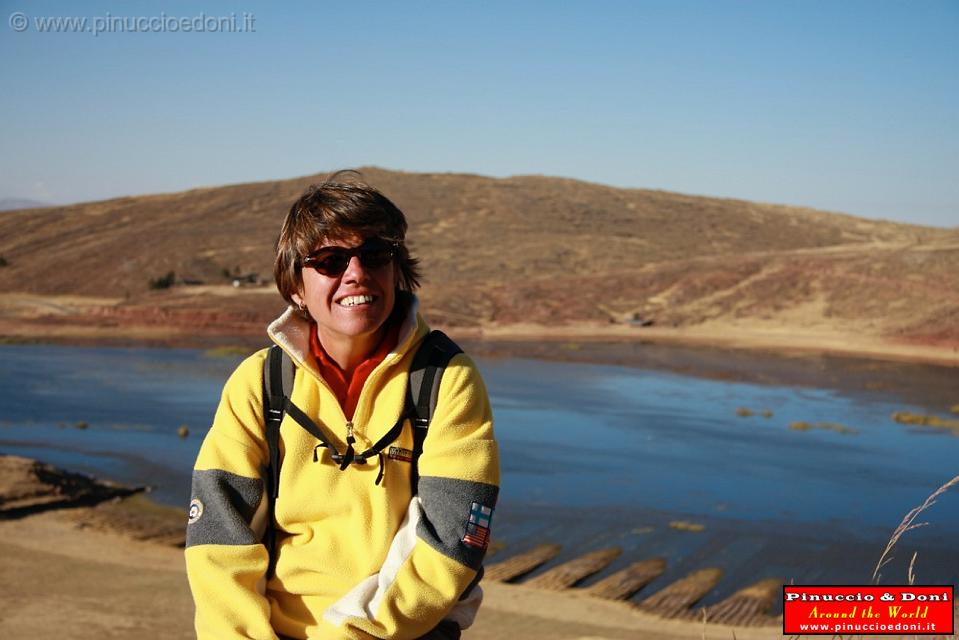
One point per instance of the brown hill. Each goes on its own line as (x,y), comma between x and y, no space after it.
(497,253)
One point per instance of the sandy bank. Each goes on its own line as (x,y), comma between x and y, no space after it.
(777,339)
(61,580)
(116,570)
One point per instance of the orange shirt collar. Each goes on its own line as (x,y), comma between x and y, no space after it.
(347,391)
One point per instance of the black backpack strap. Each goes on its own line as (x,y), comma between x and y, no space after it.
(313,429)
(379,445)
(277,386)
(426,371)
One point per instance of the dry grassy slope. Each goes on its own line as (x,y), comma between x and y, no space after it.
(521,249)
(894,291)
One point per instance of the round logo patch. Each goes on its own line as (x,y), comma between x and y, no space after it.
(196,510)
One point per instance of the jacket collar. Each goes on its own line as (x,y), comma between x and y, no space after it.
(292,332)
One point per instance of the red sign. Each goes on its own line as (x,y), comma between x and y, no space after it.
(872,610)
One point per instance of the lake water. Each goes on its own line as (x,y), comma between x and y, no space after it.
(593,455)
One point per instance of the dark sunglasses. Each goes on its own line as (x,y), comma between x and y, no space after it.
(333,261)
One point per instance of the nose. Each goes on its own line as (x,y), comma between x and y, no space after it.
(354,270)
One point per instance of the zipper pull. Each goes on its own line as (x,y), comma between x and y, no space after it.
(349,454)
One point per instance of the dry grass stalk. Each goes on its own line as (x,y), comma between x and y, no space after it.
(908,524)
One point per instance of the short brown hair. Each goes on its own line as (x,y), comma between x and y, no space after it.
(334,210)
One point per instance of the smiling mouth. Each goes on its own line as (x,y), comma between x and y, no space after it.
(353,301)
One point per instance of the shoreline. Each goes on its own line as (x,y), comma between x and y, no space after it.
(114,570)
(742,550)
(205,317)
(73,573)
(63,580)
(774,341)
(771,360)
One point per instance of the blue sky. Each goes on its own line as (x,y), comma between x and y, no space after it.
(844,106)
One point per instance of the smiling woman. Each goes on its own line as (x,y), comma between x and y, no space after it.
(348,291)
(340,257)
(292,532)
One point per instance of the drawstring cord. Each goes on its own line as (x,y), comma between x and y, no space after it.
(360,459)
(379,476)
(350,456)
(350,453)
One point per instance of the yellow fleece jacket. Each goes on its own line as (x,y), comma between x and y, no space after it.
(354,559)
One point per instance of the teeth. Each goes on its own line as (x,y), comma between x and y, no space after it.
(351,301)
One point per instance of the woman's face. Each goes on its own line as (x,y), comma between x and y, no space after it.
(352,306)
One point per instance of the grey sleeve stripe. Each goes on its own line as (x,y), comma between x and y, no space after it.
(446,507)
(222,508)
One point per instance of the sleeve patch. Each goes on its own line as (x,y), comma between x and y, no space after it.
(478,527)
(196,510)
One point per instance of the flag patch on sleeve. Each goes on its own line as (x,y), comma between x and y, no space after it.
(477,529)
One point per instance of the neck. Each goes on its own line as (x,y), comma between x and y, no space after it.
(349,352)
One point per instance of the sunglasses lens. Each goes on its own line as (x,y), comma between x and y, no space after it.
(376,257)
(333,261)
(329,262)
